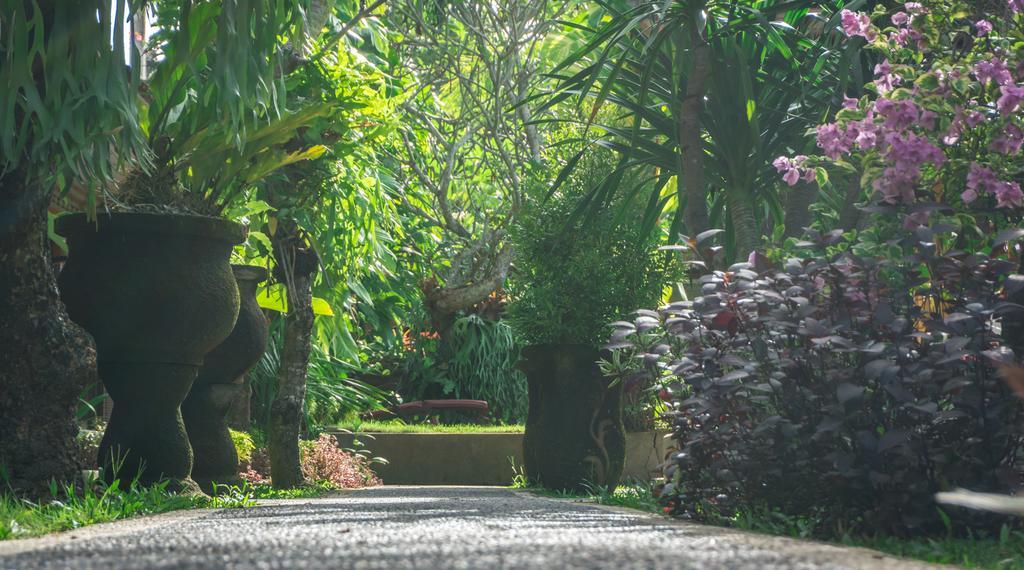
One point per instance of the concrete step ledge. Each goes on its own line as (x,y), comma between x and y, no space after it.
(478,458)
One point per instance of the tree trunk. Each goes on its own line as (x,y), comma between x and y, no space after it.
(297,263)
(798,208)
(744,226)
(444,303)
(240,413)
(850,216)
(46,359)
(691,142)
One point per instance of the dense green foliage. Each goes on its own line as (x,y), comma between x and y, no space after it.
(565,157)
(59,125)
(705,95)
(572,278)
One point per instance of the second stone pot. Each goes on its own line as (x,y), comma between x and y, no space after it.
(219,382)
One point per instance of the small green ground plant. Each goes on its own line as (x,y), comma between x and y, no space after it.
(482,356)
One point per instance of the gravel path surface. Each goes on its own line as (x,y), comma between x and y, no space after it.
(425,527)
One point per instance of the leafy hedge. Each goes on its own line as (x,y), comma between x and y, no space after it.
(844,388)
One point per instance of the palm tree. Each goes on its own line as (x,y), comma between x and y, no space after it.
(709,93)
(68,121)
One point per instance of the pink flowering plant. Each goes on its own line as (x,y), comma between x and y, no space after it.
(848,377)
(323,462)
(940,131)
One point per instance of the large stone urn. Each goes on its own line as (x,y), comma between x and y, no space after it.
(574,433)
(219,384)
(157,294)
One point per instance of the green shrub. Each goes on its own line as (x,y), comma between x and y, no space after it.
(244,445)
(574,274)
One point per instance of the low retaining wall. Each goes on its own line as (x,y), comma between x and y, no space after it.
(478,458)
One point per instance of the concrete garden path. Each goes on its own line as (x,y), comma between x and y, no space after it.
(425,527)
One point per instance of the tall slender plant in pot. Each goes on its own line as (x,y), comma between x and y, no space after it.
(151,279)
(62,123)
(569,279)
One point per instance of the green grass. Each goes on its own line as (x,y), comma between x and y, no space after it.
(68,508)
(1003,552)
(397,426)
(315,490)
(631,494)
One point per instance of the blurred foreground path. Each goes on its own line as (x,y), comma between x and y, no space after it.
(426,527)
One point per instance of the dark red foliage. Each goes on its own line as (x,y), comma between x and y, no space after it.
(844,388)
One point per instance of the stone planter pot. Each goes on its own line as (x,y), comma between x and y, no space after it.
(574,432)
(157,293)
(219,383)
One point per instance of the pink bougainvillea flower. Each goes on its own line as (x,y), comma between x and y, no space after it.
(885,79)
(865,132)
(993,70)
(792,169)
(1009,141)
(928,119)
(1008,195)
(968,196)
(1016,5)
(906,153)
(899,115)
(850,103)
(900,19)
(833,140)
(1010,98)
(979,178)
(956,129)
(915,8)
(857,24)
(900,37)
(983,28)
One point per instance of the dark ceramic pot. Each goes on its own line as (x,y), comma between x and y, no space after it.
(219,384)
(574,433)
(157,294)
